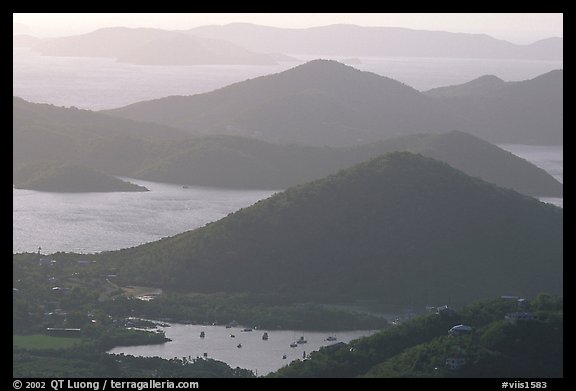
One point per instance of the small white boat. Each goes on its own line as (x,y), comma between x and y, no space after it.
(301,341)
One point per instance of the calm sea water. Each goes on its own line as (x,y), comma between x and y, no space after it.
(100,83)
(255,353)
(103,83)
(94,222)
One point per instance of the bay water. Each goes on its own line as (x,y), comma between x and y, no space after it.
(94,222)
(254,353)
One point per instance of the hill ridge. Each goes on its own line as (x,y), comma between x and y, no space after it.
(398,228)
(324,102)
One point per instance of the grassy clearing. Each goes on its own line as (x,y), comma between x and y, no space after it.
(39,341)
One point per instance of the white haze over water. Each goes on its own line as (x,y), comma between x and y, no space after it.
(103,83)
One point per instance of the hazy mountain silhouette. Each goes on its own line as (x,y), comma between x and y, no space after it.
(352,40)
(236,162)
(151,47)
(43,132)
(549,48)
(106,42)
(482,85)
(474,157)
(400,229)
(321,102)
(528,112)
(127,148)
(324,102)
(187,50)
(25,41)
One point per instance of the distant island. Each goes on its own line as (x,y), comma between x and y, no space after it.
(253,43)
(70,179)
(378,41)
(146,46)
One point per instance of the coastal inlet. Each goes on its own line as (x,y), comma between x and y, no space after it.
(255,353)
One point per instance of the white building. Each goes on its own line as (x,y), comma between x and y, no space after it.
(460,329)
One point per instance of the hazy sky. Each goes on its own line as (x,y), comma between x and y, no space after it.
(518,28)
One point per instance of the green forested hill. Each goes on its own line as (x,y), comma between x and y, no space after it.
(420,347)
(474,157)
(399,229)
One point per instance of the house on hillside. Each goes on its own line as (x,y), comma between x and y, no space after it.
(460,329)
